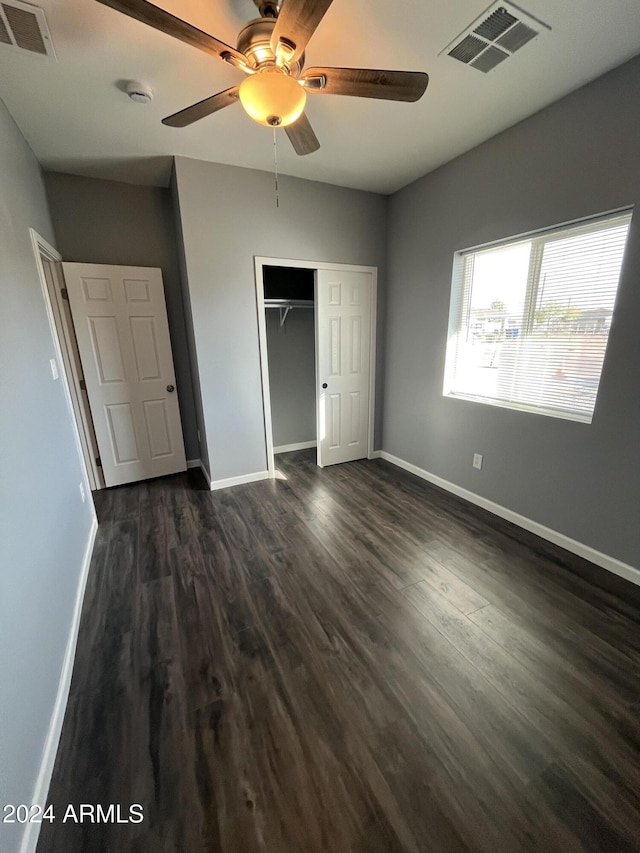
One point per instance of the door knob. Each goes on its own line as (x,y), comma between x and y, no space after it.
(324,384)
(170,388)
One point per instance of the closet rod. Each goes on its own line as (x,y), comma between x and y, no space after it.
(285,305)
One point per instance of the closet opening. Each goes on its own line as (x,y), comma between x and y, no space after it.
(289,300)
(317,338)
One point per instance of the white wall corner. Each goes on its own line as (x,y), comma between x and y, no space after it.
(611,564)
(41,788)
(205,473)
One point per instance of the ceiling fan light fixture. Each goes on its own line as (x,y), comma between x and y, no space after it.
(271,50)
(272,98)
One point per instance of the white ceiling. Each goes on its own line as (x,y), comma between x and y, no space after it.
(77,119)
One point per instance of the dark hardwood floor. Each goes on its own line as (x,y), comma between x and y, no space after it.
(343,660)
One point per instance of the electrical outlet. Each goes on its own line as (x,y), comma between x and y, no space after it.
(82,494)
(477,461)
(54,368)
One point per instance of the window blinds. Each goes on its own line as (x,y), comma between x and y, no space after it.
(530,318)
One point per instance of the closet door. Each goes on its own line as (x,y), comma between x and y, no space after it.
(343,334)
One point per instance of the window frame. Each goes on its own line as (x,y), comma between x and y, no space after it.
(538,239)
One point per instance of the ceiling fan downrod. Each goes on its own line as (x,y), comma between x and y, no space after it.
(268,8)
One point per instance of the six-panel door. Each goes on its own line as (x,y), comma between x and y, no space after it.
(343,316)
(120,319)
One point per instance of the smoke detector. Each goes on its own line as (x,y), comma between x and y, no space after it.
(139,92)
(494,36)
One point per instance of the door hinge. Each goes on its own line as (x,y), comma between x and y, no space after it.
(98,462)
(64,293)
(83,385)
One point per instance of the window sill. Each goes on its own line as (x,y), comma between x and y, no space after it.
(578,417)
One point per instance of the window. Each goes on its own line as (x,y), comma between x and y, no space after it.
(530,318)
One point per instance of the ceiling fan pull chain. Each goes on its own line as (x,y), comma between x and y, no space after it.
(275,162)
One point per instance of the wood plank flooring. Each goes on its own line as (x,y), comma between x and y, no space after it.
(345,660)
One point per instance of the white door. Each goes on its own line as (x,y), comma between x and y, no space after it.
(343,335)
(121,325)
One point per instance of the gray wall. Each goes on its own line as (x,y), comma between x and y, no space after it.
(108,222)
(188,320)
(229,215)
(292,375)
(44,526)
(578,157)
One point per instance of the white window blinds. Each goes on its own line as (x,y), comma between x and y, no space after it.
(530,318)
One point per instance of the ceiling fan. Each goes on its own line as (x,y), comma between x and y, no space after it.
(270,51)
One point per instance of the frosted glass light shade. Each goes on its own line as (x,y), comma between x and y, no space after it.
(272,98)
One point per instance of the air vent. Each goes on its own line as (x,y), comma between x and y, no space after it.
(5,38)
(468,49)
(495,36)
(489,59)
(23,27)
(496,24)
(516,37)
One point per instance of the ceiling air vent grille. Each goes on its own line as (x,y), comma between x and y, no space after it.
(468,49)
(495,36)
(489,59)
(5,38)
(23,27)
(496,24)
(516,37)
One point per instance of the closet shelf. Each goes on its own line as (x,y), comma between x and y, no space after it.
(285,305)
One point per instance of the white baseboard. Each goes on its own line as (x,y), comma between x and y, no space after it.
(198,463)
(239,481)
(301,445)
(41,789)
(375,454)
(624,570)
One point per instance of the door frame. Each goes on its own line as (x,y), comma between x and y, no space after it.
(259,262)
(59,333)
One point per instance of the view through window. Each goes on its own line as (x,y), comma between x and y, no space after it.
(530,318)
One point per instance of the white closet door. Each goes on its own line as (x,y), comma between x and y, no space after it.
(343,317)
(120,319)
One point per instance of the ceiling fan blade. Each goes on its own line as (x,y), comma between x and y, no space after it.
(367,83)
(302,137)
(155,17)
(295,25)
(203,108)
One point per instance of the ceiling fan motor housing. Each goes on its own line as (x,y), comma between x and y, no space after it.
(254,41)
